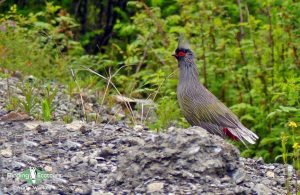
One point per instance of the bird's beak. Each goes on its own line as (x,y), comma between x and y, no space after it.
(174,55)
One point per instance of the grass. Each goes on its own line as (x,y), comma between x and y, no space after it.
(292,157)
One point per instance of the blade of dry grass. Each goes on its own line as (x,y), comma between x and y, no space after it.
(81,98)
(108,80)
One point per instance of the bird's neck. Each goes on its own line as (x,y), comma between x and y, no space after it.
(188,72)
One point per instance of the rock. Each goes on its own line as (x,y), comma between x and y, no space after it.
(32,124)
(113,158)
(169,152)
(41,129)
(18,165)
(15,116)
(101,192)
(6,153)
(138,127)
(48,168)
(26,157)
(239,176)
(84,190)
(2,112)
(261,189)
(260,160)
(71,145)
(270,174)
(106,151)
(155,187)
(63,107)
(272,167)
(74,126)
(93,162)
(132,141)
(45,142)
(30,143)
(84,130)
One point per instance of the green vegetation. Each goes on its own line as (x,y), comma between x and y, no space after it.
(247,53)
(47,102)
(30,101)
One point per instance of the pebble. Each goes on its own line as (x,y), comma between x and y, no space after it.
(26,157)
(74,126)
(239,176)
(155,187)
(41,129)
(45,142)
(261,189)
(93,161)
(105,152)
(6,153)
(138,127)
(270,174)
(48,168)
(32,125)
(84,130)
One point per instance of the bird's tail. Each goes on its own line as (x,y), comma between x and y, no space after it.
(243,134)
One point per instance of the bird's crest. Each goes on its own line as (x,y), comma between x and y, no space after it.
(183,43)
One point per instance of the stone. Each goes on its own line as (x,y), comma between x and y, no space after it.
(239,176)
(155,187)
(93,161)
(41,129)
(74,126)
(32,124)
(138,127)
(261,189)
(6,153)
(270,174)
(84,130)
(48,168)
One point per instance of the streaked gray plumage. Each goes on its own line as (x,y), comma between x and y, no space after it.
(200,107)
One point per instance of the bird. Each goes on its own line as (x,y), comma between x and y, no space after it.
(200,107)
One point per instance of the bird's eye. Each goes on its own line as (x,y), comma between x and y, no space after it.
(181,54)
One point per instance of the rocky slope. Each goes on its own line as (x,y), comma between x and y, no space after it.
(110,157)
(94,159)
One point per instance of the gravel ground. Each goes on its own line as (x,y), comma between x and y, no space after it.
(110,157)
(94,159)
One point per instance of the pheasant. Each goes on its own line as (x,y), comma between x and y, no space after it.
(200,107)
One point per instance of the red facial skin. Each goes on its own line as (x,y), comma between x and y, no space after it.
(180,54)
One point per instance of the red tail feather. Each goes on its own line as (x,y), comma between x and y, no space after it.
(229,134)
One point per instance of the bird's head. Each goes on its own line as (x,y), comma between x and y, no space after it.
(186,64)
(183,50)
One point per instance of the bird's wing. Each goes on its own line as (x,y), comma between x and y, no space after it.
(221,120)
(216,113)
(206,110)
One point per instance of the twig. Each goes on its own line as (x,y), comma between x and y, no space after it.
(143,58)
(106,89)
(81,98)
(204,53)
(240,36)
(109,81)
(271,42)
